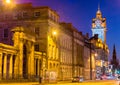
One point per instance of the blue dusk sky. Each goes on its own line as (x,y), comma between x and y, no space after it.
(81,12)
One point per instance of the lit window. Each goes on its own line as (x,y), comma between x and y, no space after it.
(50,65)
(25,14)
(37,30)
(6,17)
(37,47)
(37,14)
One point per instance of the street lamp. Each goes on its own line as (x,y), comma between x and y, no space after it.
(8,1)
(96,54)
(90,62)
(40,65)
(54,32)
(8,4)
(89,44)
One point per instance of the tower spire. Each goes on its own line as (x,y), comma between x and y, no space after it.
(98,13)
(98,6)
(114,60)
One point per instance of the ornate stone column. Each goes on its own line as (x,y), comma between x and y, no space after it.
(1,66)
(16,63)
(5,66)
(32,59)
(38,71)
(11,66)
(20,59)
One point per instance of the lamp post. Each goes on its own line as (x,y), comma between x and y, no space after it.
(40,68)
(90,62)
(40,71)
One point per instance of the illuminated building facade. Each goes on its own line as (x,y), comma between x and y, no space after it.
(71,52)
(89,59)
(78,53)
(40,46)
(99,41)
(101,59)
(55,49)
(99,26)
(66,51)
(43,22)
(19,61)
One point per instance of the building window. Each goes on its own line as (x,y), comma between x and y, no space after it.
(17,16)
(37,47)
(50,65)
(37,14)
(5,33)
(36,67)
(37,31)
(25,14)
(6,17)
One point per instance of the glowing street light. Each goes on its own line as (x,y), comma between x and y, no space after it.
(54,33)
(96,54)
(8,1)
(8,4)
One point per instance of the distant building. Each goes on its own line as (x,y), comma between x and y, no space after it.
(99,26)
(114,61)
(66,50)
(89,59)
(99,41)
(71,51)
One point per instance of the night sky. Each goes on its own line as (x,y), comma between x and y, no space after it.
(81,12)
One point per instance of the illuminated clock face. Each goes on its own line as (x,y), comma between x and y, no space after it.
(98,22)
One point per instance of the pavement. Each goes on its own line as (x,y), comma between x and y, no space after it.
(26,83)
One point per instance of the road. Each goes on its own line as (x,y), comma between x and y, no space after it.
(97,82)
(100,82)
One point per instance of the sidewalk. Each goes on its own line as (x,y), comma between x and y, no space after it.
(25,83)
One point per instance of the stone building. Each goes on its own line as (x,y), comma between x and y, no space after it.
(39,29)
(78,53)
(101,59)
(99,40)
(89,59)
(114,61)
(19,61)
(99,26)
(66,51)
(71,51)
(43,22)
(35,44)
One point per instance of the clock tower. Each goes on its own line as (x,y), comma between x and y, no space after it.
(99,26)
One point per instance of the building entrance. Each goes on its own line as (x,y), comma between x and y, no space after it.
(25,67)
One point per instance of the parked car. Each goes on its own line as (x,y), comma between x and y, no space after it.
(108,77)
(103,77)
(118,77)
(77,79)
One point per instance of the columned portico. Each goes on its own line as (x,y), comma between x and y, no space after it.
(24,41)
(18,61)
